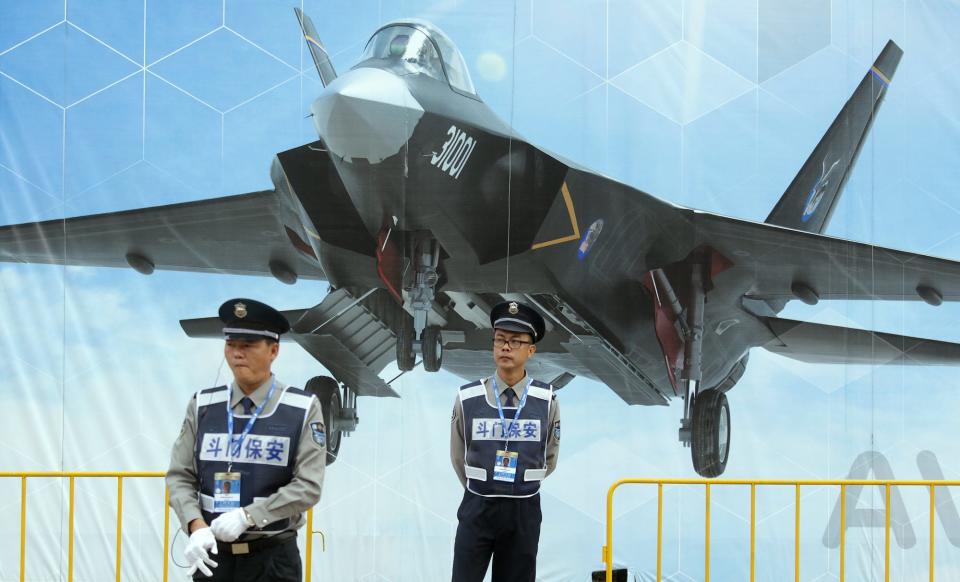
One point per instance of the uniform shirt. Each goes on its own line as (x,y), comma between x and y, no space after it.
(457,442)
(289,501)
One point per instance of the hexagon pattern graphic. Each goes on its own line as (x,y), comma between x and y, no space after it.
(789,31)
(22,21)
(65,64)
(693,83)
(727,31)
(112,105)
(203,70)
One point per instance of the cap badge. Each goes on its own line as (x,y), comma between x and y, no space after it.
(513,309)
(240,310)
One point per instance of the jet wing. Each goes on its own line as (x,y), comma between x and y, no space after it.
(778,261)
(240,235)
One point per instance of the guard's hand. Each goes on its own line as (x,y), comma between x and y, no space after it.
(200,543)
(228,526)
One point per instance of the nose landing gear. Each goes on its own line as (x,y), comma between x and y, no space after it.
(430,347)
(415,335)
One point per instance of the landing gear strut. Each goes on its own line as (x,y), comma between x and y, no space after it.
(426,259)
(705,426)
(415,336)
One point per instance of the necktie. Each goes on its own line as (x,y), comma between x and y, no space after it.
(247,405)
(510,397)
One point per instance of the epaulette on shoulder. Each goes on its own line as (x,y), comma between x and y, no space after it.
(301,391)
(472,384)
(212,390)
(539,384)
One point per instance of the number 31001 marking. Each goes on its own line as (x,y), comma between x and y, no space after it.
(455,152)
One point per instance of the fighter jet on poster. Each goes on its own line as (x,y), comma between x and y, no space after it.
(423,209)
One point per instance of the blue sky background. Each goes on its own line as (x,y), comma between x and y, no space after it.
(111,105)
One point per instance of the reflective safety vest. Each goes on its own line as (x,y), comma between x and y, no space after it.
(267,454)
(484,435)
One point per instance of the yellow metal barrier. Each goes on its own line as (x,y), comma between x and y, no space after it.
(73,475)
(607,551)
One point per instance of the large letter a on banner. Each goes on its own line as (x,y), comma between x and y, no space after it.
(864,517)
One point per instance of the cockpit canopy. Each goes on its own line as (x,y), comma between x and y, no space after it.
(419,47)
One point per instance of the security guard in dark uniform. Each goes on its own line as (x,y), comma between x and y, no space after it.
(249,460)
(504,440)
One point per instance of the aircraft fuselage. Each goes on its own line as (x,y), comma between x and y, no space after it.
(417,156)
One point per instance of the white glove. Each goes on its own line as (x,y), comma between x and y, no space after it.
(201,541)
(228,526)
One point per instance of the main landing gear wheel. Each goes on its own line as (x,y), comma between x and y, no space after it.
(327,390)
(432,349)
(406,357)
(710,439)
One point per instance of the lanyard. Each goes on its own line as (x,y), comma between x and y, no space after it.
(503,422)
(246,429)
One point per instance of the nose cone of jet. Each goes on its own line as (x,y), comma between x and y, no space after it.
(366,113)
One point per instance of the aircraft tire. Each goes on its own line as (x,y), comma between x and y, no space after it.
(710,439)
(406,357)
(327,390)
(432,349)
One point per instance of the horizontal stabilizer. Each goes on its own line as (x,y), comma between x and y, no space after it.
(346,365)
(350,337)
(615,371)
(562,380)
(817,343)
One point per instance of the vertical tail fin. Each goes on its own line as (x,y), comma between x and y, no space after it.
(320,57)
(811,197)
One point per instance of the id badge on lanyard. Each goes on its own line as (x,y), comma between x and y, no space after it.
(505,467)
(226,491)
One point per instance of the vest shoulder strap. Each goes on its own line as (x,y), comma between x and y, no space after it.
(209,396)
(541,390)
(296,398)
(472,390)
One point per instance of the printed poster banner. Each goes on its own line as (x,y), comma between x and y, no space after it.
(511,150)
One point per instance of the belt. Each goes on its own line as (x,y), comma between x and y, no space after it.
(252,546)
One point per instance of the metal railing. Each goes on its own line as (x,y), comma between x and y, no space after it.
(119,476)
(607,551)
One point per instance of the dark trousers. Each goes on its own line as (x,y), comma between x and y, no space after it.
(508,528)
(280,563)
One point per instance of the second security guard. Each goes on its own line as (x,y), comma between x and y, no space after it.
(504,440)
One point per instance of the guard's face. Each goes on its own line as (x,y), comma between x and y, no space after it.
(250,361)
(512,349)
